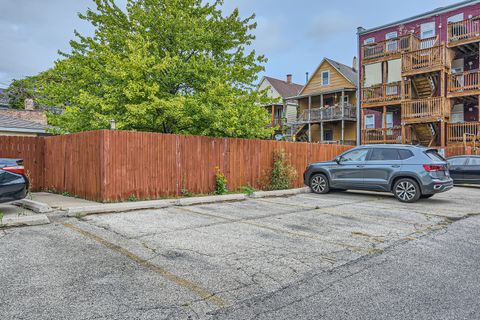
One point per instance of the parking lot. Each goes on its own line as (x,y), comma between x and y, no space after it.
(201,261)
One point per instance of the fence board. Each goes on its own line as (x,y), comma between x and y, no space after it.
(115,165)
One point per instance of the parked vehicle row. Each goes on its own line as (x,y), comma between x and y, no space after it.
(13,182)
(409,172)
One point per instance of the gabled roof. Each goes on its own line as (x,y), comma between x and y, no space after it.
(20,125)
(347,72)
(284,88)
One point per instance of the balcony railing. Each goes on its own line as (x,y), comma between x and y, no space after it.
(386,93)
(457,132)
(463,83)
(382,135)
(424,109)
(328,114)
(424,60)
(396,46)
(464,31)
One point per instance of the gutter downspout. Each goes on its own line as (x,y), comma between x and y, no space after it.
(359,87)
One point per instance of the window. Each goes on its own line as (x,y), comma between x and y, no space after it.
(325,78)
(369,41)
(427,31)
(355,156)
(405,154)
(394,68)
(373,74)
(345,99)
(434,155)
(384,154)
(392,45)
(474,162)
(457,161)
(369,121)
(455,18)
(389,122)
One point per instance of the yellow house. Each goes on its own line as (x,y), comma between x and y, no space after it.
(327,105)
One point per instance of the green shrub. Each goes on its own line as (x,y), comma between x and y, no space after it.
(248,190)
(283,174)
(132,198)
(220,183)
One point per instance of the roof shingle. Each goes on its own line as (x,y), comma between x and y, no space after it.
(284,88)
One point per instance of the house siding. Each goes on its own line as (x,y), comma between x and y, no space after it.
(337,80)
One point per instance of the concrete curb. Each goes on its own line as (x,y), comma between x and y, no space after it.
(279,193)
(159,204)
(21,221)
(118,207)
(35,206)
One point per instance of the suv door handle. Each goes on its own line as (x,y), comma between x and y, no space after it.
(359,166)
(396,166)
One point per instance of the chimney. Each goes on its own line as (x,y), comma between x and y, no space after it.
(289,78)
(355,64)
(29,105)
(307,77)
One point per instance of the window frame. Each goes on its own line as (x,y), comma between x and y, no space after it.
(465,161)
(367,155)
(327,72)
(372,116)
(381,150)
(368,41)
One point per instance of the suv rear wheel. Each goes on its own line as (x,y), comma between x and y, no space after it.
(407,190)
(319,184)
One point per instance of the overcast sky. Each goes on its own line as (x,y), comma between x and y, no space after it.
(294,35)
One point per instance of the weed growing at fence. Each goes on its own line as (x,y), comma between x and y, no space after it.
(283,174)
(66,194)
(185,193)
(133,198)
(220,183)
(1,218)
(248,190)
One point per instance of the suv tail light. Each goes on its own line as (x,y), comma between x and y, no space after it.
(15,169)
(434,167)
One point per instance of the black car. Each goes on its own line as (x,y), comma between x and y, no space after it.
(13,182)
(465,169)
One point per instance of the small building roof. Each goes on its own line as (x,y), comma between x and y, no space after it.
(284,88)
(346,71)
(14,124)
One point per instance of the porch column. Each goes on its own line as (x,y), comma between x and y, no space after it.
(362,126)
(404,133)
(442,133)
(309,118)
(343,116)
(321,119)
(384,121)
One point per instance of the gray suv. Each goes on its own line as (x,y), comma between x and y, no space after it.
(409,172)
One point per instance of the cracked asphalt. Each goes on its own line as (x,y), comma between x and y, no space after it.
(337,256)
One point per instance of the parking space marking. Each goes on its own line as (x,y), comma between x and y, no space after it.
(367,216)
(248,221)
(192,287)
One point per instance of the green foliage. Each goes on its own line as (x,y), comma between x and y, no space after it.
(283,174)
(248,190)
(1,218)
(19,90)
(220,183)
(171,66)
(132,198)
(186,193)
(66,194)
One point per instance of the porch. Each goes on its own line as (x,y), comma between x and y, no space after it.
(425,110)
(390,93)
(429,59)
(464,83)
(381,125)
(464,32)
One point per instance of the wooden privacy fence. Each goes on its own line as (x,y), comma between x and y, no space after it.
(115,165)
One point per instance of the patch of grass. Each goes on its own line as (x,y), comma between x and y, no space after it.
(133,198)
(248,190)
(186,193)
(66,194)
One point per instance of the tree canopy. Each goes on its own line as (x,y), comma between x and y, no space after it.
(171,66)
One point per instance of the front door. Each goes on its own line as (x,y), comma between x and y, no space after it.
(472,172)
(348,173)
(328,135)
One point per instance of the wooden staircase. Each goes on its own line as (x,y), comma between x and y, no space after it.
(425,133)
(424,86)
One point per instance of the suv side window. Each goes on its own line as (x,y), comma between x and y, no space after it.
(379,154)
(457,161)
(405,154)
(354,156)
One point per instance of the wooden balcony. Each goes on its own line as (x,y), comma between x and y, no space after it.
(464,32)
(391,94)
(382,135)
(276,122)
(424,110)
(463,131)
(334,113)
(464,84)
(425,60)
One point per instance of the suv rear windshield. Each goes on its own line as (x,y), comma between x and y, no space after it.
(435,156)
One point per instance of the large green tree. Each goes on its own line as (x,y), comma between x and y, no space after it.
(172,66)
(19,90)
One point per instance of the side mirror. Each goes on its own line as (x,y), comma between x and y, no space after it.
(337,160)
